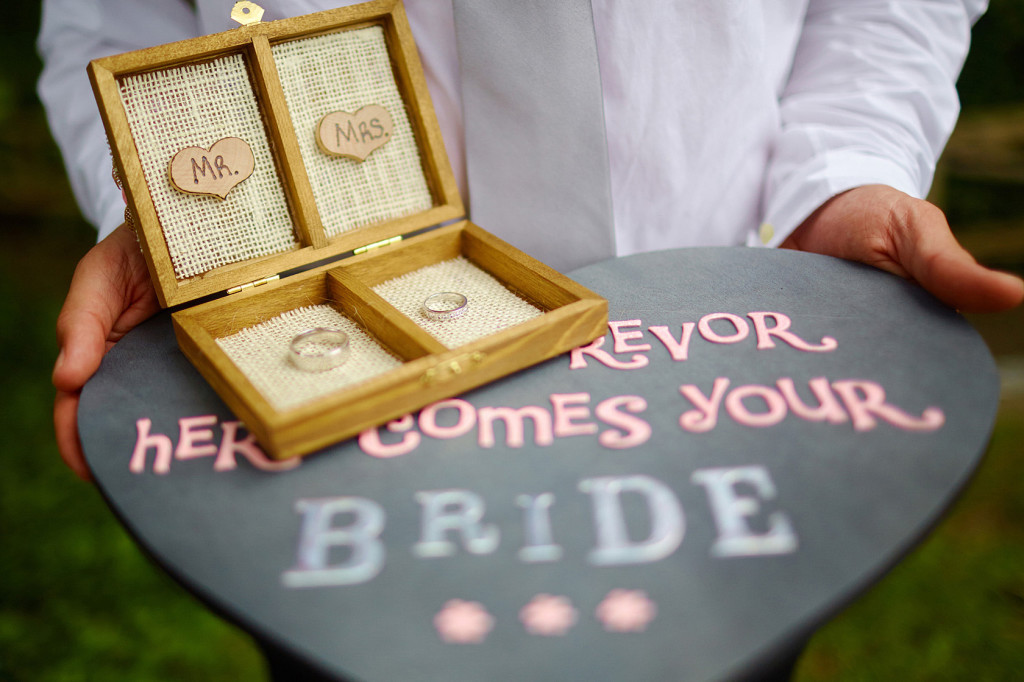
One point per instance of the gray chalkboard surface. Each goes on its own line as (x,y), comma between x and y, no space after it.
(759,436)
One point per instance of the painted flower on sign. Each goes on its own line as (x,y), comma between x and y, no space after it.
(626,611)
(548,615)
(463,622)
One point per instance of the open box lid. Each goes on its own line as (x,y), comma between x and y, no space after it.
(268,88)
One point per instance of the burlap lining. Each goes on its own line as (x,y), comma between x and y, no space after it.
(261,353)
(491,306)
(346,71)
(196,105)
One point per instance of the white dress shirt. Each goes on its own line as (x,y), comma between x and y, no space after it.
(728,121)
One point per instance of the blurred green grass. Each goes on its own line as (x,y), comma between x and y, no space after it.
(78,601)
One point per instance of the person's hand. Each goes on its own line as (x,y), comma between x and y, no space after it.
(909,237)
(110,294)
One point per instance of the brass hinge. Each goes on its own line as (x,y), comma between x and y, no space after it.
(250,285)
(376,245)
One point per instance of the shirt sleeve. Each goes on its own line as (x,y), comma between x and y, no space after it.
(74,32)
(871,99)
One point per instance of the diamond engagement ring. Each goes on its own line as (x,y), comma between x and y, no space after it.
(318,350)
(444,306)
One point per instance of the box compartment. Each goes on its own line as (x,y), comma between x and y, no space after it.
(344,213)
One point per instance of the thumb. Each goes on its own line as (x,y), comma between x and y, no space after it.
(933,257)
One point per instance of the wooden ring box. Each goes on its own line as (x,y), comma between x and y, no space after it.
(262,288)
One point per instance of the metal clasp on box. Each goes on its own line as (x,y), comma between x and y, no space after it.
(247,13)
(452,368)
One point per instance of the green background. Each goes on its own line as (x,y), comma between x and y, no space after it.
(78,601)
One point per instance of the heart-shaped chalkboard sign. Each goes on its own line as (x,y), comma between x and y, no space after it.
(214,171)
(758,437)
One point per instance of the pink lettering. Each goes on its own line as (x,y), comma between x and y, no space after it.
(679,350)
(622,338)
(828,408)
(741,326)
(865,400)
(191,434)
(465,423)
(143,442)
(634,431)
(626,335)
(230,446)
(197,439)
(514,419)
(566,408)
(705,417)
(773,400)
(781,330)
(578,360)
(371,444)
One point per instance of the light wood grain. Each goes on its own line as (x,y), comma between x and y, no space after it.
(430,372)
(412,254)
(230,314)
(410,78)
(363,305)
(140,202)
(573,315)
(308,225)
(254,42)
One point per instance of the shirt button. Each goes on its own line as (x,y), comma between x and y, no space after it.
(766,232)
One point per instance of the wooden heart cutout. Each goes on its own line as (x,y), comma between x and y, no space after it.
(355,136)
(214,171)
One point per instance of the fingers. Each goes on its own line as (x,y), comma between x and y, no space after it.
(931,255)
(110,293)
(93,304)
(908,237)
(65,425)
(81,336)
